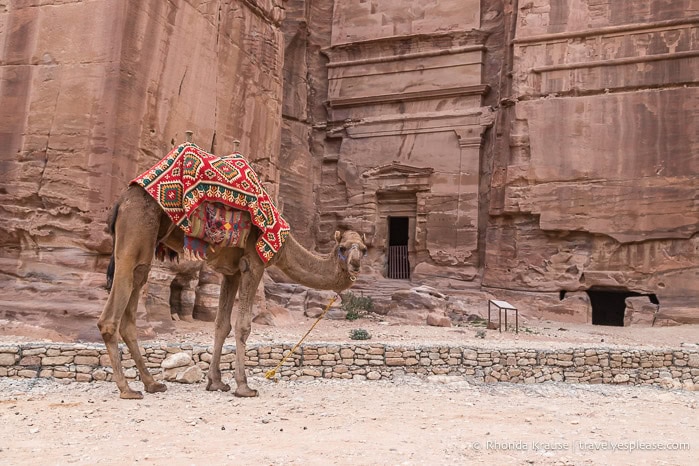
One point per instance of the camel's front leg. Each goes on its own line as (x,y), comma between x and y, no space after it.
(252,268)
(229,288)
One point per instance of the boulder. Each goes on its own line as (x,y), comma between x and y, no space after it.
(639,312)
(422,297)
(275,316)
(414,305)
(175,360)
(437,319)
(336,314)
(320,298)
(192,374)
(313,312)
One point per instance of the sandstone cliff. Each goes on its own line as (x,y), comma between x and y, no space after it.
(562,165)
(94,93)
(537,151)
(598,189)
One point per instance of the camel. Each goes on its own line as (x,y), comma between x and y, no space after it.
(138,224)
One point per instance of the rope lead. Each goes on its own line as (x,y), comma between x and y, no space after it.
(271,373)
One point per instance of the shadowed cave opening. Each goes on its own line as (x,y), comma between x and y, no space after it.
(609,305)
(176,288)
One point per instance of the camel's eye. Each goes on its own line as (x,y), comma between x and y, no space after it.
(364,252)
(343,250)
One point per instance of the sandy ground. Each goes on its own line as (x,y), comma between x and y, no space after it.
(410,420)
(534,334)
(383,329)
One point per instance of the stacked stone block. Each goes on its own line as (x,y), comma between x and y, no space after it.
(670,368)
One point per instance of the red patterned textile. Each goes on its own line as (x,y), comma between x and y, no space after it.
(188,176)
(220,225)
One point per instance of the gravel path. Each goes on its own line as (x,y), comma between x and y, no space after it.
(410,420)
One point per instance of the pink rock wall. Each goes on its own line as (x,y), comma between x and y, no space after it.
(405,97)
(95,92)
(598,188)
(564,162)
(534,147)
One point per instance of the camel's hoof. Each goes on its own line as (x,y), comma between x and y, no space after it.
(131,395)
(213,386)
(156,387)
(245,392)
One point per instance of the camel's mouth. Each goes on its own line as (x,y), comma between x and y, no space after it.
(353,274)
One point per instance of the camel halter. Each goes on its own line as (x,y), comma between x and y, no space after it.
(353,277)
(271,373)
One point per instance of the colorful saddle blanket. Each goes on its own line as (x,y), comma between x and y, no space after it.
(212,224)
(188,183)
(220,225)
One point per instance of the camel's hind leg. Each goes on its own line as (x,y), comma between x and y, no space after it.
(109,324)
(119,316)
(229,288)
(136,231)
(128,334)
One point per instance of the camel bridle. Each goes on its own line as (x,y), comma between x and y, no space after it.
(345,258)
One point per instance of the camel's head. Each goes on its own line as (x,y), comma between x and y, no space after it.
(350,250)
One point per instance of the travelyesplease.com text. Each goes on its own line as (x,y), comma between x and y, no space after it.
(579,445)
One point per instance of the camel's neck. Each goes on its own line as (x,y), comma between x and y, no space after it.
(312,270)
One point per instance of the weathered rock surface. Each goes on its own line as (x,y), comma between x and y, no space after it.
(420,305)
(640,311)
(275,316)
(438,319)
(585,183)
(192,374)
(93,94)
(574,307)
(595,188)
(567,162)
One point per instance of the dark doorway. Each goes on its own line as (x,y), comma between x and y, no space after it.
(176,288)
(398,261)
(609,306)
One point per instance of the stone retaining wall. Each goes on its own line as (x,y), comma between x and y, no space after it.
(670,368)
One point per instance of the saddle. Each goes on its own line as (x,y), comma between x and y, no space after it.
(205,195)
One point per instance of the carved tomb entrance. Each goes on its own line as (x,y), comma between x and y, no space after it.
(397,213)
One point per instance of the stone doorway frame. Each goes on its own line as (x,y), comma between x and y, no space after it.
(400,190)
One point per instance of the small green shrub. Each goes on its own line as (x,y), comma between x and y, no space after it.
(356,306)
(478,322)
(359,334)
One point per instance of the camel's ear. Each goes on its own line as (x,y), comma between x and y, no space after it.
(338,236)
(364,238)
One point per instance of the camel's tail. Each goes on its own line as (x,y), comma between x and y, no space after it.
(110,267)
